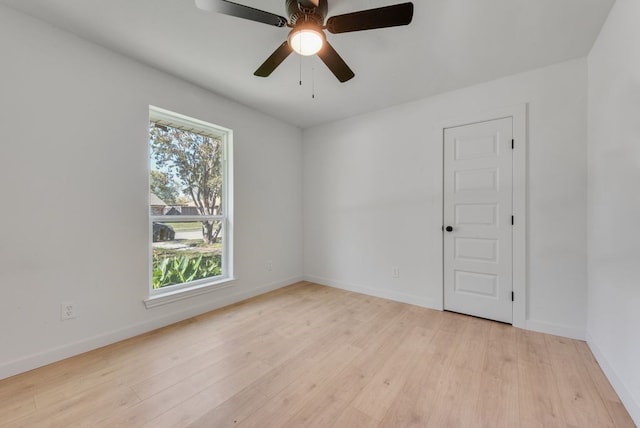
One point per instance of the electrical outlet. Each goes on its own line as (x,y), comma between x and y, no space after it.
(395,272)
(269,266)
(67,311)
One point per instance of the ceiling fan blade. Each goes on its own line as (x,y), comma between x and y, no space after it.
(336,64)
(382,17)
(274,60)
(241,11)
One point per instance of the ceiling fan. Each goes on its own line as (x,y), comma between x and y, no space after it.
(307,21)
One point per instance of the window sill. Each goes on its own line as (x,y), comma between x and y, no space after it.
(185,293)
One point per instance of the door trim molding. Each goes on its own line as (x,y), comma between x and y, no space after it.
(520,197)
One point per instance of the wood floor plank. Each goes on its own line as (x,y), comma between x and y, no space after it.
(532,347)
(378,395)
(165,400)
(404,410)
(407,409)
(462,381)
(296,395)
(222,359)
(320,412)
(16,407)
(581,403)
(351,417)
(309,355)
(538,397)
(415,406)
(196,405)
(498,404)
(614,407)
(89,408)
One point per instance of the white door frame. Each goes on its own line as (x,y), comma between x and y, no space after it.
(519,115)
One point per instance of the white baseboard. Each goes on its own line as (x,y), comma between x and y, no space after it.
(555,329)
(52,355)
(375,292)
(631,403)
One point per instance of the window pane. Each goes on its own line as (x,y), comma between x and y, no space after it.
(185,251)
(186,172)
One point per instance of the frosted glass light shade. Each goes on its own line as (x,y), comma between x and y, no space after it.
(306,41)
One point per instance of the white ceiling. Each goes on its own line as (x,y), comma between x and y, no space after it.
(449,45)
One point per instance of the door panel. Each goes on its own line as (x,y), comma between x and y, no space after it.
(478,206)
(476,249)
(476,179)
(476,214)
(478,284)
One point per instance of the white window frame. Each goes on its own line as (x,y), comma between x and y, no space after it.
(161,296)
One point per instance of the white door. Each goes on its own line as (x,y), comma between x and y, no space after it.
(478,194)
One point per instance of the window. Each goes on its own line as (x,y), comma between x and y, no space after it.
(190,224)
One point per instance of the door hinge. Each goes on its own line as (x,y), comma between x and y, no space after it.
(513,296)
(513,220)
(513,143)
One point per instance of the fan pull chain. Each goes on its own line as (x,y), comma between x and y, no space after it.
(313,82)
(300,56)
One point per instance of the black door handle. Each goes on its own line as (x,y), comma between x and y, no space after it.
(449,229)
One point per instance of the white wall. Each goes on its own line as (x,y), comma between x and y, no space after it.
(74,192)
(373,195)
(614,201)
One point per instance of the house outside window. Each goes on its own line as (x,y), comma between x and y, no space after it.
(190,206)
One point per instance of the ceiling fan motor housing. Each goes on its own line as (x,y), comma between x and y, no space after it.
(301,11)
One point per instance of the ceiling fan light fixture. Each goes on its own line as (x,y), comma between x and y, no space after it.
(308,23)
(306,40)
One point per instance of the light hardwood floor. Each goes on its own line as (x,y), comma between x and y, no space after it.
(308,355)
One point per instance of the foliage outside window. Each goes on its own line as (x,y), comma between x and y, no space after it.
(189,201)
